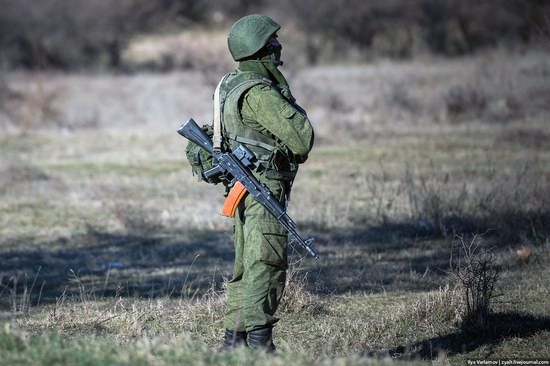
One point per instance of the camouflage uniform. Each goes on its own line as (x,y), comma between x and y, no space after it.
(259,111)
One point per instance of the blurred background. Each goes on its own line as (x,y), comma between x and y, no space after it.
(58,57)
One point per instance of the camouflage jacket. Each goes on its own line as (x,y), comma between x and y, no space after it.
(257,113)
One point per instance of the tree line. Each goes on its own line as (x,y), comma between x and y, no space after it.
(69,34)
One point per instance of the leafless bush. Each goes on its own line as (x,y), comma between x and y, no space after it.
(400,98)
(69,34)
(14,175)
(33,103)
(526,221)
(362,23)
(436,202)
(477,274)
(5,90)
(137,219)
(465,100)
(398,28)
(79,33)
(513,208)
(7,98)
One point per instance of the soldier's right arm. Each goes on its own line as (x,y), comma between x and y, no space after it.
(265,110)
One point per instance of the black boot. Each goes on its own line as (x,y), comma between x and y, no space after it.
(234,339)
(262,338)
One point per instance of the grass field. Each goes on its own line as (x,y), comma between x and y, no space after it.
(112,253)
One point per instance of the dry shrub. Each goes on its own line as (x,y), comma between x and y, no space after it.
(119,316)
(465,101)
(513,208)
(68,35)
(518,209)
(477,275)
(400,98)
(34,105)
(508,90)
(204,316)
(465,302)
(529,138)
(14,175)
(19,291)
(136,218)
(400,28)
(5,92)
(437,203)
(486,101)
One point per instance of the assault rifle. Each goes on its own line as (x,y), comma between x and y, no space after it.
(236,166)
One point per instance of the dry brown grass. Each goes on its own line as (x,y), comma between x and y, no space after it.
(393,177)
(297,297)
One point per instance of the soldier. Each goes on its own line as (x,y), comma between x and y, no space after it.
(259,111)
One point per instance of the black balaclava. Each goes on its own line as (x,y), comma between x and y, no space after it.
(266,62)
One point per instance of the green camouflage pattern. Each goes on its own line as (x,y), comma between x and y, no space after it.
(249,34)
(259,272)
(267,113)
(234,86)
(266,110)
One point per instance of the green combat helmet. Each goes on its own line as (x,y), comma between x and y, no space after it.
(249,34)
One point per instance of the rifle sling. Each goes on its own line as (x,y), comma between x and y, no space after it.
(217,137)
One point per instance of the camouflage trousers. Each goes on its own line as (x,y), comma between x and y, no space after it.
(259,272)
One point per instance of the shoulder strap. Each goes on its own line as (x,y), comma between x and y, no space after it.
(269,147)
(252,82)
(217,137)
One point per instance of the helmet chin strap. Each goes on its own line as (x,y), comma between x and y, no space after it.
(273,60)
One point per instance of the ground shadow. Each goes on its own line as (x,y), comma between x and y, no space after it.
(105,264)
(378,259)
(498,328)
(371,259)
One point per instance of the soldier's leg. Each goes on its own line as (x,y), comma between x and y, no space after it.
(265,264)
(233,318)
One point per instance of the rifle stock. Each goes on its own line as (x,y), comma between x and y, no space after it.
(191,131)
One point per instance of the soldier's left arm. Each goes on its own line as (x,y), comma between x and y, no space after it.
(266,108)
